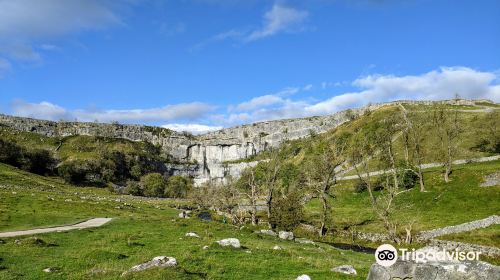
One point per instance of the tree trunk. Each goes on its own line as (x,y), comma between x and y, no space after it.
(322,229)
(269,202)
(447,171)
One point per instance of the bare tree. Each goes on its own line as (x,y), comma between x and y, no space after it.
(447,124)
(414,128)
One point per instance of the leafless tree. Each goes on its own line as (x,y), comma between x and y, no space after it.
(447,124)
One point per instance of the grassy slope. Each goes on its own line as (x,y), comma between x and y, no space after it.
(141,230)
(461,200)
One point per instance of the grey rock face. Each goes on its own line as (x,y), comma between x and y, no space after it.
(233,242)
(435,271)
(286,235)
(160,261)
(346,269)
(204,157)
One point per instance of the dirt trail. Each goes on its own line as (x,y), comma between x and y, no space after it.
(92,223)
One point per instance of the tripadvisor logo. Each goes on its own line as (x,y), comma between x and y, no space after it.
(386,255)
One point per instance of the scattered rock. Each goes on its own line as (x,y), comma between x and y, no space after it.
(303,277)
(51,269)
(205,247)
(183,215)
(229,242)
(276,247)
(160,261)
(287,235)
(266,232)
(346,269)
(192,234)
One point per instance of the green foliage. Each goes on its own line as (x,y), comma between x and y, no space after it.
(153,185)
(80,171)
(287,212)
(360,186)
(133,188)
(178,187)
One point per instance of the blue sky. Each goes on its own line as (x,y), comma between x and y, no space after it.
(202,64)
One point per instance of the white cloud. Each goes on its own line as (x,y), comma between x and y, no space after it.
(443,83)
(279,19)
(49,111)
(440,84)
(192,127)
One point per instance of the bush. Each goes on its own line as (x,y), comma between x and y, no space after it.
(360,186)
(287,212)
(72,172)
(153,185)
(133,188)
(39,161)
(10,153)
(178,187)
(407,178)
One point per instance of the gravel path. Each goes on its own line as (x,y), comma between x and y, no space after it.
(92,223)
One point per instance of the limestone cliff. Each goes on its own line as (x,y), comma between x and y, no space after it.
(204,157)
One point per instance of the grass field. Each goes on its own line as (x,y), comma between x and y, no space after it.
(141,230)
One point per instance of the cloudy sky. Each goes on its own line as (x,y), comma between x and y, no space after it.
(205,64)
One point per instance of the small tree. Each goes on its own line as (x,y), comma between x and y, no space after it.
(134,188)
(287,212)
(153,184)
(178,187)
(321,173)
(447,125)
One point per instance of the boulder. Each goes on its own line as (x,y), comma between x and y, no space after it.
(160,261)
(303,277)
(466,270)
(346,269)
(267,232)
(233,242)
(183,215)
(276,247)
(287,235)
(51,269)
(192,234)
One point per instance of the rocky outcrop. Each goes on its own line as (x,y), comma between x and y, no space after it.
(471,270)
(211,156)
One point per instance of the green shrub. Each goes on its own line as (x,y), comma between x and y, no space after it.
(133,188)
(178,187)
(287,212)
(360,186)
(153,185)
